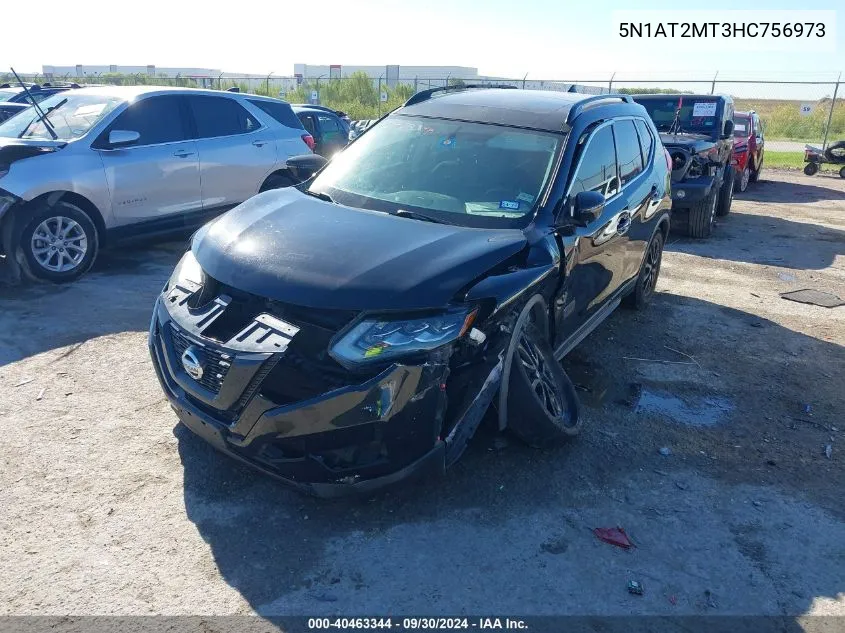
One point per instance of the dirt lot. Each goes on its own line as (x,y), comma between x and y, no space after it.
(109,507)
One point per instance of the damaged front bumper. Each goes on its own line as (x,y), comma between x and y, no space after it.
(357,438)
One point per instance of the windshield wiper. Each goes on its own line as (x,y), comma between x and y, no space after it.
(317,194)
(38,109)
(49,110)
(404,213)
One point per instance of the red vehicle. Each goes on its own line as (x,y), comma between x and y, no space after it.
(748,148)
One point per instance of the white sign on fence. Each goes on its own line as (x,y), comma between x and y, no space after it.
(384,97)
(806,109)
(315,96)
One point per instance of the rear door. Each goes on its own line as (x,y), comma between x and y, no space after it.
(600,254)
(236,152)
(641,186)
(159,175)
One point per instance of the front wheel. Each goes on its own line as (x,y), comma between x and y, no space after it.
(543,406)
(755,173)
(726,192)
(702,214)
(59,243)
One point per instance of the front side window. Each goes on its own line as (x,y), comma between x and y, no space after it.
(70,113)
(220,116)
(628,150)
(470,174)
(6,95)
(156,119)
(597,170)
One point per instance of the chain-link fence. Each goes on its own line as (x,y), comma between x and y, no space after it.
(794,113)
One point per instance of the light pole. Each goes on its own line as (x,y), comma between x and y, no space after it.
(267,84)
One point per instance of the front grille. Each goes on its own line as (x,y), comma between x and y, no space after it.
(215,361)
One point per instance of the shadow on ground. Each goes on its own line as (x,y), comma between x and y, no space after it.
(116,296)
(507,530)
(766,240)
(790,192)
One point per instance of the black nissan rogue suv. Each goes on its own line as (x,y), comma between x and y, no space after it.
(352,331)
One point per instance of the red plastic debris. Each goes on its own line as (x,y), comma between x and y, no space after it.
(614,536)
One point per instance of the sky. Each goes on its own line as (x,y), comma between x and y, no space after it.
(547,39)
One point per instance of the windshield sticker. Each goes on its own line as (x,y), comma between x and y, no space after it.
(739,127)
(704,108)
(509,204)
(449,142)
(525,197)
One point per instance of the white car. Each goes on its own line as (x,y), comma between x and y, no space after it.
(127,161)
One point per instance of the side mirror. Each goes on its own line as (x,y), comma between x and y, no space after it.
(729,129)
(305,166)
(588,207)
(122,138)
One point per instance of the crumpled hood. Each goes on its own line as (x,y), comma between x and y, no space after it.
(288,246)
(12,149)
(695,143)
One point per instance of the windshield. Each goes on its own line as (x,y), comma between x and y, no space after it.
(470,174)
(741,126)
(5,95)
(698,114)
(71,115)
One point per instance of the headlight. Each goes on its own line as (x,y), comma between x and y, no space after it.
(188,269)
(377,340)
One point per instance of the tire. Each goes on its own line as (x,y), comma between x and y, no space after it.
(642,293)
(276,181)
(743,179)
(755,173)
(726,192)
(543,407)
(701,215)
(811,169)
(59,243)
(842,173)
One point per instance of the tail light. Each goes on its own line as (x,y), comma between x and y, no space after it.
(668,159)
(309,141)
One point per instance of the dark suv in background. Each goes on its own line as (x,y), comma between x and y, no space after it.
(352,331)
(697,131)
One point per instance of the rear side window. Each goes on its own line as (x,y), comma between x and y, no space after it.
(646,140)
(281,112)
(156,119)
(628,150)
(220,116)
(308,124)
(597,170)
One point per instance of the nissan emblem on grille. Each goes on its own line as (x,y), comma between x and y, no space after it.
(191,363)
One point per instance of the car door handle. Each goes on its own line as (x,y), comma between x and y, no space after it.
(259,143)
(624,223)
(182,153)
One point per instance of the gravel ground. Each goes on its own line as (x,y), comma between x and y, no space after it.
(110,507)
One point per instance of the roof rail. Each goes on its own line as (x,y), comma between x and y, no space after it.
(425,95)
(578,108)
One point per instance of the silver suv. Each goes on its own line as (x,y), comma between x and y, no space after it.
(129,161)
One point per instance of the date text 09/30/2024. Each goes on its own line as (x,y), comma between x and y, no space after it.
(413,624)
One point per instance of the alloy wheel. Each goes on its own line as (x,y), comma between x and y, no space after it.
(746,177)
(540,377)
(59,244)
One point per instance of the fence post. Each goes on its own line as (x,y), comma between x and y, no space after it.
(415,85)
(379,96)
(713,85)
(830,114)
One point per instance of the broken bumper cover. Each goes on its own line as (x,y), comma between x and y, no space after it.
(690,191)
(355,439)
